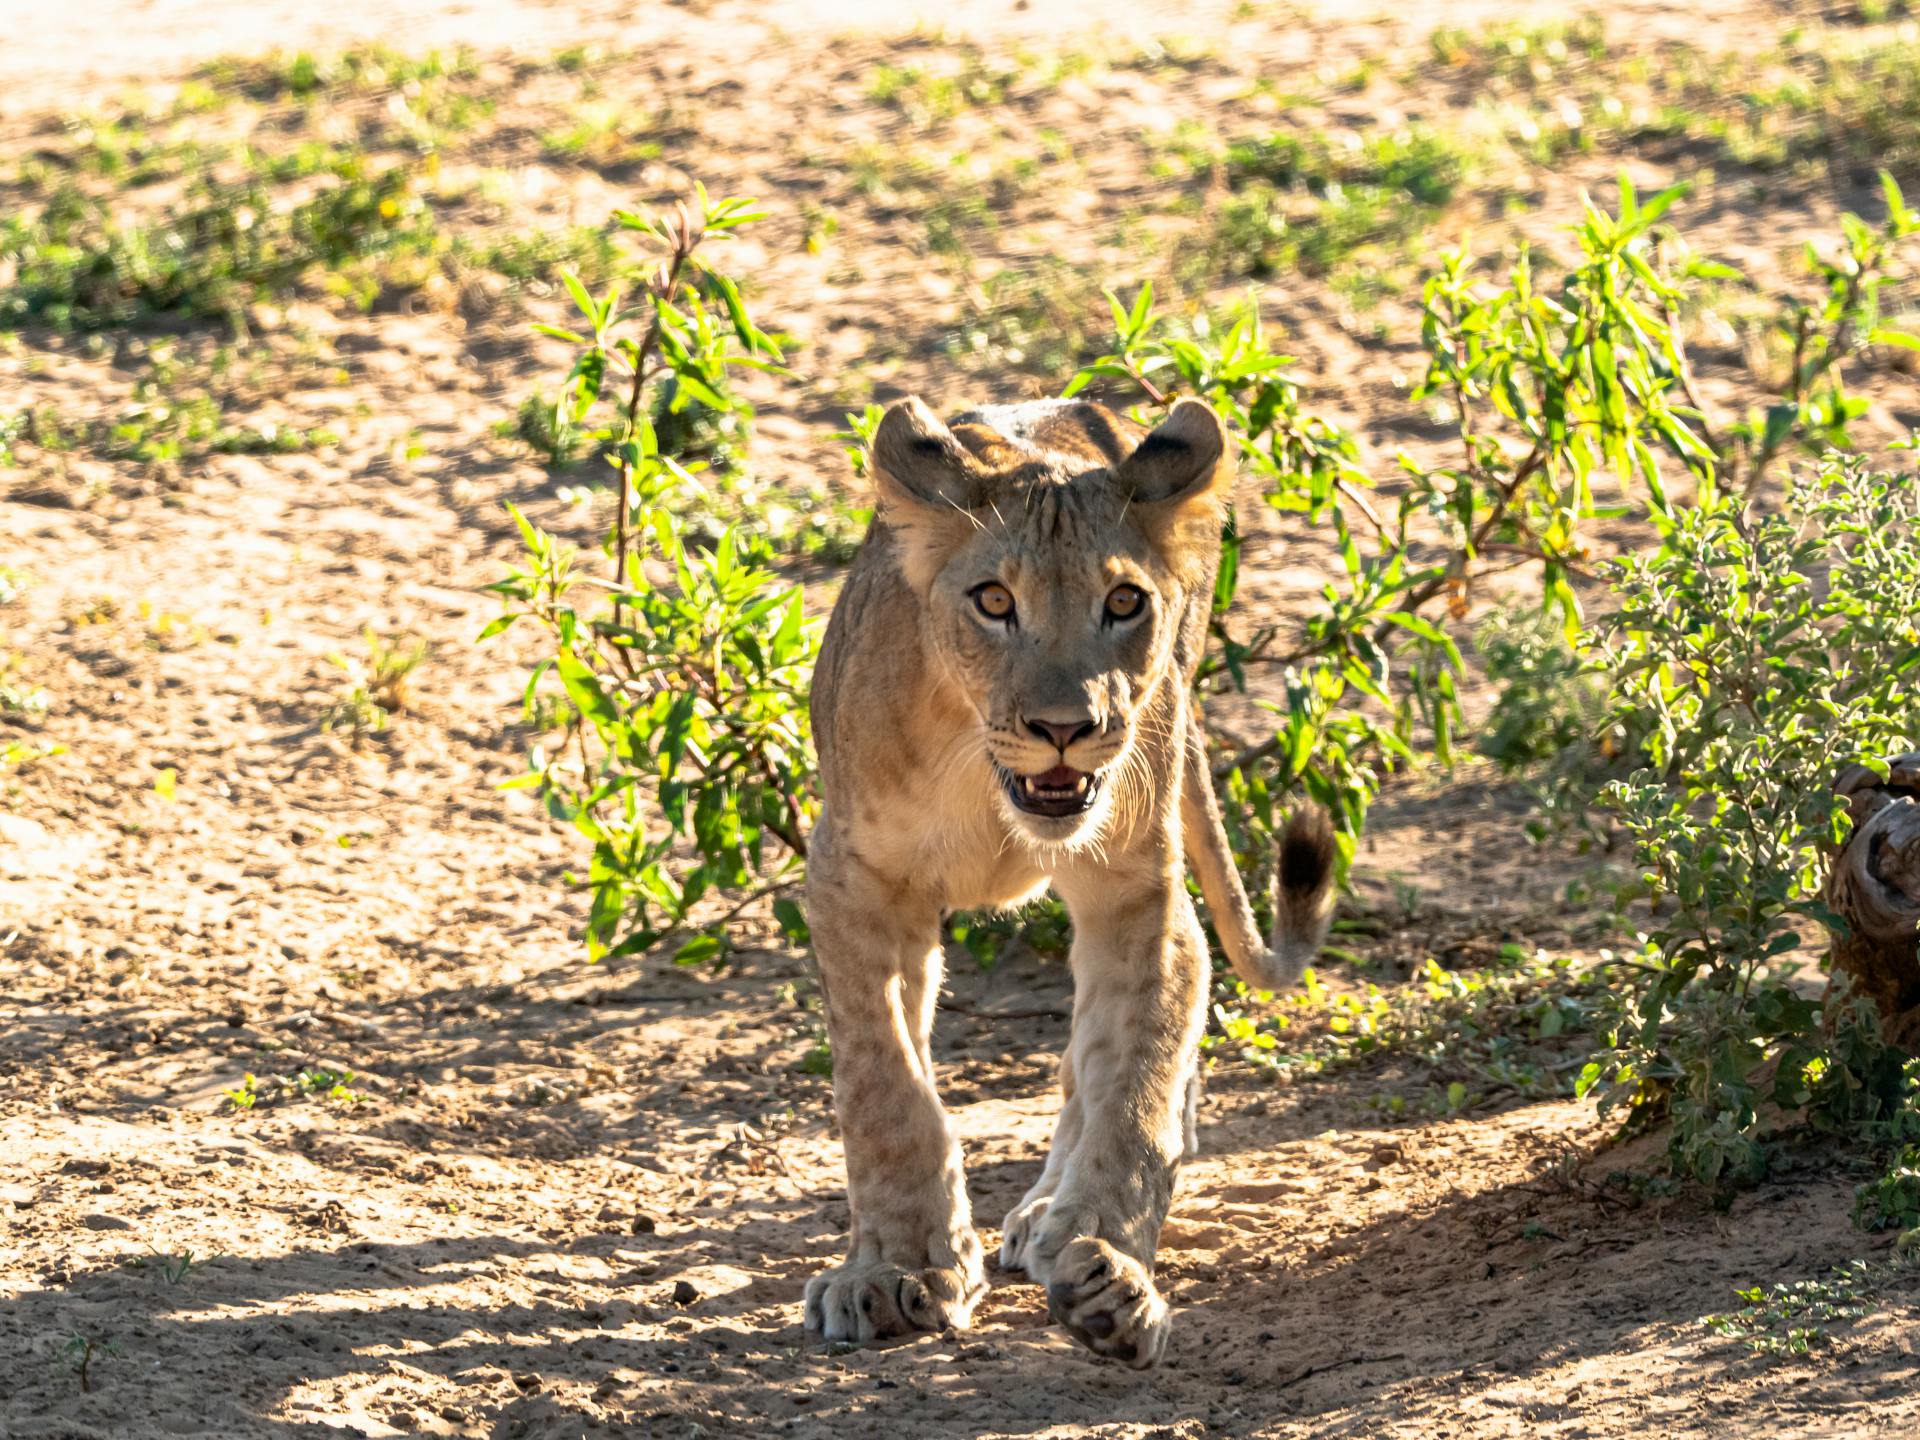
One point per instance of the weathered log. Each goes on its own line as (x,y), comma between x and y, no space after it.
(1874,886)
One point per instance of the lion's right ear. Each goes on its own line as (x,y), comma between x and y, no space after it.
(928,486)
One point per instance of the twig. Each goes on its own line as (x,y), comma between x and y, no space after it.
(1684,370)
(1336,1365)
(1530,552)
(1365,507)
(772,887)
(955,1007)
(687,235)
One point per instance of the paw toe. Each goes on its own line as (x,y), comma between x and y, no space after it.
(1017,1233)
(863,1303)
(1107,1301)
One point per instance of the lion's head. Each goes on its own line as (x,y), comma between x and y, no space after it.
(1061,553)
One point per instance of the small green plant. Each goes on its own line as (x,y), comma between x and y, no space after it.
(1041,927)
(19,754)
(379,686)
(243,1096)
(80,1350)
(819,1057)
(17,699)
(1526,52)
(1824,335)
(77,267)
(317,1081)
(174,1268)
(1519,1025)
(1037,317)
(547,427)
(1891,1201)
(1792,1317)
(683,750)
(536,257)
(1301,202)
(606,136)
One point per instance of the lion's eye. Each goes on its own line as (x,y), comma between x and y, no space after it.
(994,601)
(1125,601)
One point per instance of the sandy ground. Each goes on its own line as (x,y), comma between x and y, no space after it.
(573,1201)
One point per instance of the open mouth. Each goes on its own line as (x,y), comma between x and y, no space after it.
(1054,793)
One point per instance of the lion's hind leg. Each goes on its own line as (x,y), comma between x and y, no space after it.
(1023,1221)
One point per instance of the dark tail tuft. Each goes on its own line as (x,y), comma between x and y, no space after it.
(1306,854)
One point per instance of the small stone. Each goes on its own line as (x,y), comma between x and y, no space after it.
(684,1293)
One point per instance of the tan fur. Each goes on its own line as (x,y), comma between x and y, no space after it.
(921,708)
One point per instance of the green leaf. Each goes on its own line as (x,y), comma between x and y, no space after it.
(698,949)
(584,689)
(586,303)
(792,921)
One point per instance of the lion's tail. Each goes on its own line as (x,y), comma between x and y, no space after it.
(1303,889)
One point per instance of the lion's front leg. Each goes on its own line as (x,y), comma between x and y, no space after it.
(1140,991)
(913,1260)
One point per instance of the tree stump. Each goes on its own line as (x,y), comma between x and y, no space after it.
(1874,886)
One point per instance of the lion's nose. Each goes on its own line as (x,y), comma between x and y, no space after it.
(1061,732)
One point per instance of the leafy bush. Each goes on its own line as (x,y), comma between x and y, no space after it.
(683,748)
(1892,1200)
(547,427)
(1553,394)
(1758,655)
(1548,700)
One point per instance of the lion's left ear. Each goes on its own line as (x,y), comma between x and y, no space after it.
(1180,478)
(1180,460)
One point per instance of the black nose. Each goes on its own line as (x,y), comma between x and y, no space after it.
(1061,732)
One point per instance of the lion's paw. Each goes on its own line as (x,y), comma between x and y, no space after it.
(863,1301)
(1107,1300)
(1018,1232)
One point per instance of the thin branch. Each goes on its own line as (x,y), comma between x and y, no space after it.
(1312,1370)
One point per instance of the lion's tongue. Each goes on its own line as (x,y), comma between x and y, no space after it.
(1061,777)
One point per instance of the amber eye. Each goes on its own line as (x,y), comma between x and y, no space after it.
(994,601)
(1125,601)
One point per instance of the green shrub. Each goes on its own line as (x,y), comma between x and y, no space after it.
(682,755)
(1891,1201)
(546,426)
(1554,392)
(1548,700)
(1758,655)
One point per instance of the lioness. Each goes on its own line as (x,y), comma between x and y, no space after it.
(1001,704)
